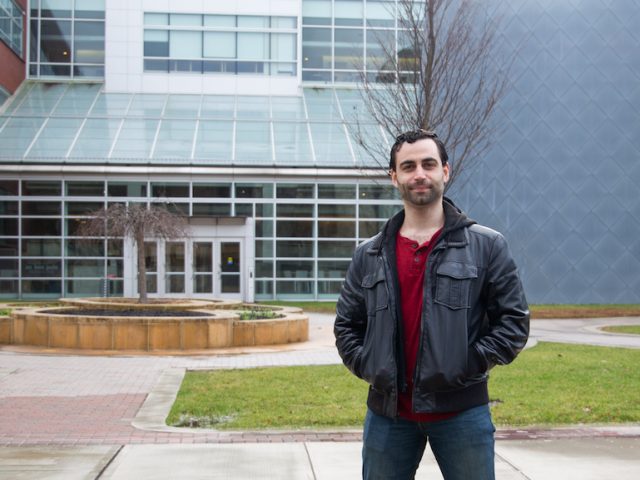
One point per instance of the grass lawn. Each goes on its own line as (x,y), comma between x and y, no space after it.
(633,329)
(537,311)
(551,384)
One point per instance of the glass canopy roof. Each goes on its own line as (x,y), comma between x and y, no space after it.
(80,123)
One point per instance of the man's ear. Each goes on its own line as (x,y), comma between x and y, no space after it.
(445,168)
(394,177)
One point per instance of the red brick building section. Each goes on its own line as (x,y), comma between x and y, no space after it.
(12,72)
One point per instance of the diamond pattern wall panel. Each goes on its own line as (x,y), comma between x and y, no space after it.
(562,177)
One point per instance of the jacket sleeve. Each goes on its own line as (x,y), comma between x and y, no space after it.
(507,311)
(351,316)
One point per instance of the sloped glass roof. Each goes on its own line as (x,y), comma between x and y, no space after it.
(79,123)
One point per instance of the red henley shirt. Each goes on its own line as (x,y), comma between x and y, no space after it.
(411,262)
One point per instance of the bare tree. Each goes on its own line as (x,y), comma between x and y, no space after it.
(443,76)
(137,222)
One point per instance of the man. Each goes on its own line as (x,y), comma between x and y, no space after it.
(428,306)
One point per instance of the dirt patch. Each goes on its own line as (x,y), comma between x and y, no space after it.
(121,312)
(586,311)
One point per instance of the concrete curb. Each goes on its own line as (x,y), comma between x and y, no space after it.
(155,409)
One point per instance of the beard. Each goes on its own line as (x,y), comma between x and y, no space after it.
(432,194)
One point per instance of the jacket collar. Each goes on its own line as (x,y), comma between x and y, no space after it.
(454,232)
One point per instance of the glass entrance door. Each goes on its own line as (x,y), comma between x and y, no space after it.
(203,268)
(216,268)
(230,267)
(174,267)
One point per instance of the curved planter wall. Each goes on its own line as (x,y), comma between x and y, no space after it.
(214,329)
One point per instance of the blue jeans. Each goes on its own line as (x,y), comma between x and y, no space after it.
(463,446)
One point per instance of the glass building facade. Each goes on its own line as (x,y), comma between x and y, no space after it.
(11,31)
(304,233)
(560,179)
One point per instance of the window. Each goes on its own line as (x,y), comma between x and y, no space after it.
(67,38)
(11,17)
(232,44)
(353,34)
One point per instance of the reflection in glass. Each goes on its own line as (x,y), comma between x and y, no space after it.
(151,256)
(211,190)
(264,248)
(202,257)
(293,287)
(336,191)
(41,227)
(9,226)
(338,249)
(8,288)
(332,269)
(335,229)
(127,189)
(254,190)
(8,208)
(8,267)
(349,46)
(378,211)
(41,288)
(174,257)
(82,208)
(8,187)
(84,287)
(230,257)
(264,268)
(170,190)
(84,188)
(329,288)
(212,209)
(8,246)
(337,211)
(41,188)
(41,268)
(41,208)
(294,269)
(89,42)
(294,210)
(297,190)
(292,228)
(230,267)
(85,268)
(41,247)
(294,248)
(55,41)
(230,284)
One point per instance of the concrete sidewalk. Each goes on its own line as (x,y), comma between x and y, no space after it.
(73,416)
(561,459)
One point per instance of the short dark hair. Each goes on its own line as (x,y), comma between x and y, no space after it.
(412,137)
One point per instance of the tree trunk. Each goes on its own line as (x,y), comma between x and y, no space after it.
(142,268)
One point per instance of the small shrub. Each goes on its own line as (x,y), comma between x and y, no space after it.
(258,314)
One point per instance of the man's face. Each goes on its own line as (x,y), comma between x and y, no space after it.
(419,175)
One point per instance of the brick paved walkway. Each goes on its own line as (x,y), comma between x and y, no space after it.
(86,400)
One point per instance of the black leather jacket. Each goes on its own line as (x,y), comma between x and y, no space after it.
(474,316)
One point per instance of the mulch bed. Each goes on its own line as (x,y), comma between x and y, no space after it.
(121,312)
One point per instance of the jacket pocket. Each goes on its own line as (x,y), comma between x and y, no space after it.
(375,291)
(377,363)
(453,284)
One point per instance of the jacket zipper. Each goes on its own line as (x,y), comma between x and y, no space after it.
(398,330)
(429,283)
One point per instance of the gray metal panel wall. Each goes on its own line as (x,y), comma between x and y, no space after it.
(562,177)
